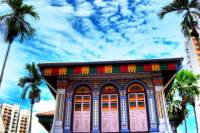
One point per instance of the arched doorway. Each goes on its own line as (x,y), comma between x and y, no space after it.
(137,108)
(82,109)
(109,109)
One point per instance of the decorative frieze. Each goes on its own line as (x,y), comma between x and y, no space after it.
(109,69)
(158,81)
(62,84)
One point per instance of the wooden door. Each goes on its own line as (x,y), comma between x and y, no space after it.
(137,112)
(82,107)
(109,113)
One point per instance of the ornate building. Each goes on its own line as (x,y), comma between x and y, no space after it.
(111,96)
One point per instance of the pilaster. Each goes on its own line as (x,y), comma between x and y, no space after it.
(59,112)
(95,117)
(68,112)
(164,124)
(153,122)
(123,109)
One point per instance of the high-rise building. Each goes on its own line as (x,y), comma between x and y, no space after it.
(15,121)
(2,126)
(193,64)
(23,122)
(10,114)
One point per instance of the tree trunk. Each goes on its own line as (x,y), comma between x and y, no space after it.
(185,126)
(30,124)
(195,116)
(4,63)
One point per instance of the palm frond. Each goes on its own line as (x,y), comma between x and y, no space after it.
(186,25)
(177,6)
(195,4)
(30,83)
(4,17)
(196,15)
(14,4)
(23,81)
(29,10)
(16,23)
(24,92)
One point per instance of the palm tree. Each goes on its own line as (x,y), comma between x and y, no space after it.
(190,10)
(177,110)
(186,83)
(16,25)
(30,85)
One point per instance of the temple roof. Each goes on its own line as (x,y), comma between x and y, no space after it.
(168,67)
(57,64)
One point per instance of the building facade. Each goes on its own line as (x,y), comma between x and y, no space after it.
(10,114)
(23,121)
(2,126)
(14,118)
(111,96)
(193,64)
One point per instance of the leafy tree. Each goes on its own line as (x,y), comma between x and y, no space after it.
(186,86)
(30,85)
(190,11)
(16,25)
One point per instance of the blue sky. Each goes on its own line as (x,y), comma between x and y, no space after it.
(90,30)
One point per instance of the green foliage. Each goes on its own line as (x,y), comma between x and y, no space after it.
(176,112)
(31,83)
(186,87)
(190,11)
(15,22)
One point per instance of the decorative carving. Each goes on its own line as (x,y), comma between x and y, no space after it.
(158,81)
(62,84)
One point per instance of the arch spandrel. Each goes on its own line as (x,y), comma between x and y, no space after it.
(117,86)
(138,82)
(135,88)
(83,90)
(75,86)
(108,89)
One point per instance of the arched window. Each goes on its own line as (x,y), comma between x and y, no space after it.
(109,109)
(82,109)
(137,108)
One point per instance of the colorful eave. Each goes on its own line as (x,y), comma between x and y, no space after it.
(110,67)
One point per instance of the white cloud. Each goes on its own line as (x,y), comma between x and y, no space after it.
(44,106)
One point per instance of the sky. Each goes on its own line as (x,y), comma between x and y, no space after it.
(89,30)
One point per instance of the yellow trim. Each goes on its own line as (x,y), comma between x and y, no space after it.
(132,68)
(47,71)
(62,70)
(85,70)
(155,67)
(108,69)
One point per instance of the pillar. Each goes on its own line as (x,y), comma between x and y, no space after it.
(124,112)
(164,125)
(59,112)
(95,117)
(152,112)
(68,113)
